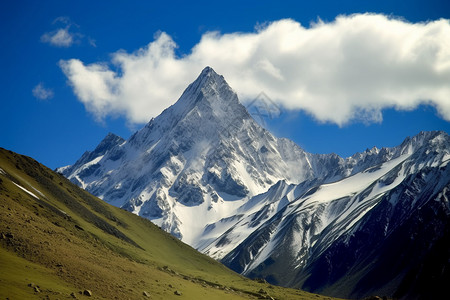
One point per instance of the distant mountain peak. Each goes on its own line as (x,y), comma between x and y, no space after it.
(206,108)
(209,75)
(208,71)
(110,139)
(208,86)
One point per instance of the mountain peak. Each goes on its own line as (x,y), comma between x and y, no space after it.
(209,83)
(209,95)
(204,109)
(207,70)
(210,74)
(109,141)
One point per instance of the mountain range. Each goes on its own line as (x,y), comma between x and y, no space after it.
(205,171)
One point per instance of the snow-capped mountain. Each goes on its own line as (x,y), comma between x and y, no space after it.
(192,165)
(206,172)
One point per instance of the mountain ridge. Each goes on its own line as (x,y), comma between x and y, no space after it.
(316,228)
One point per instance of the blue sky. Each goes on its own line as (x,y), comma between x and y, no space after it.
(46,114)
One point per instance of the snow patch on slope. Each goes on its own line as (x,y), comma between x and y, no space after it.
(25,190)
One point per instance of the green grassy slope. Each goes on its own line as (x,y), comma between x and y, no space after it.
(62,241)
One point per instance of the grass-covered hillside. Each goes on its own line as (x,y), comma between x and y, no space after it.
(59,242)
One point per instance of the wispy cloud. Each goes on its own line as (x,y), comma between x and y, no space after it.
(42,93)
(347,70)
(63,20)
(65,35)
(59,38)
(92,42)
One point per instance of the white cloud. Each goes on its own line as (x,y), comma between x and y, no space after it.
(42,93)
(346,70)
(59,38)
(62,19)
(66,35)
